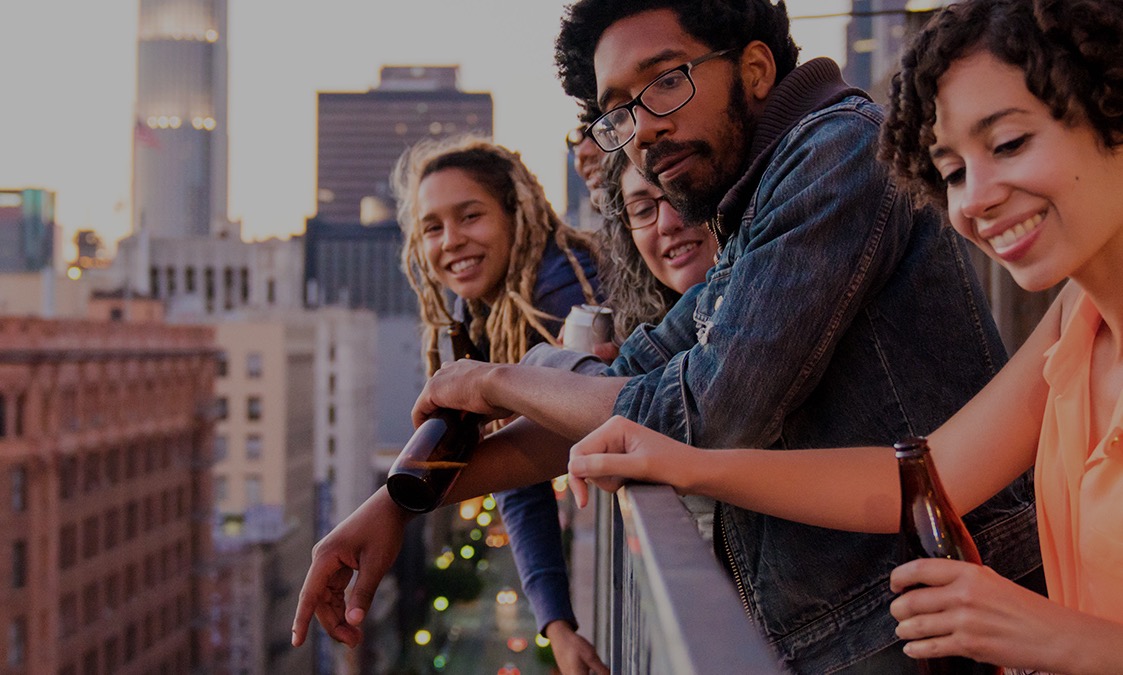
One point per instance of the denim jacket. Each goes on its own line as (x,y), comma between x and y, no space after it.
(837,315)
(530,514)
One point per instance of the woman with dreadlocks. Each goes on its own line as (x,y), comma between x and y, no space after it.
(478,226)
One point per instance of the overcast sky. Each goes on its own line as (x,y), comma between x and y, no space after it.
(69,80)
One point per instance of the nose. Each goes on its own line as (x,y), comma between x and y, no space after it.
(650,128)
(452,237)
(667,220)
(981,192)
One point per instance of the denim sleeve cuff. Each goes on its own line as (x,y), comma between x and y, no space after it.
(549,356)
(639,354)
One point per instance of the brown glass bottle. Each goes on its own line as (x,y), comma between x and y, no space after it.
(431,460)
(930,528)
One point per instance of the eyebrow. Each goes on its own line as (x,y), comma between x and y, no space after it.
(979,128)
(457,207)
(665,55)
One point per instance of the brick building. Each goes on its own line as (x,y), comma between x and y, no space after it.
(105,540)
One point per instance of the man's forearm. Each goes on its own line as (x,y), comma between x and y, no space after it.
(568,404)
(520,454)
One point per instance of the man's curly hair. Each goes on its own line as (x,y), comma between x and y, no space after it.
(1070,53)
(719,24)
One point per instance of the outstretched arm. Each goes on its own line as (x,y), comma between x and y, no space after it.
(368,541)
(566,403)
(850,489)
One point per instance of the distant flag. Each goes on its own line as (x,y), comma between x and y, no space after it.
(144,135)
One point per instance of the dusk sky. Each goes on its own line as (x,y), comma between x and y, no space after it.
(66,120)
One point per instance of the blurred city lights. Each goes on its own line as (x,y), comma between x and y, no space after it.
(541,640)
(489,503)
(440,661)
(561,483)
(484,519)
(507,596)
(444,560)
(516,644)
(440,603)
(422,637)
(467,552)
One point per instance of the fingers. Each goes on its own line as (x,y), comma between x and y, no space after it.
(312,593)
(928,572)
(580,491)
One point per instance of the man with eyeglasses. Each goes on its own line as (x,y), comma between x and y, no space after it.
(836,315)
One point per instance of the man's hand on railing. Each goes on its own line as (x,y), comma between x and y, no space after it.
(621,450)
(367,542)
(574,654)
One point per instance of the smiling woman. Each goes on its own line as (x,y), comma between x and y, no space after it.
(477,223)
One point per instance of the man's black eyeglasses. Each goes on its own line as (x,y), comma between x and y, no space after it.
(663,96)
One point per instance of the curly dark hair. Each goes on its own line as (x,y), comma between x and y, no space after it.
(630,288)
(720,24)
(1068,49)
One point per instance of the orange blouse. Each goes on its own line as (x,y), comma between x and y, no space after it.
(1080,479)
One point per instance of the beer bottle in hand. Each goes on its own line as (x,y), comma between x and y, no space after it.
(431,460)
(930,528)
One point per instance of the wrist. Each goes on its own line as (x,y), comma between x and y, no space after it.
(558,628)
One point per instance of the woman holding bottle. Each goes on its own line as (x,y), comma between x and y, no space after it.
(478,226)
(1009,114)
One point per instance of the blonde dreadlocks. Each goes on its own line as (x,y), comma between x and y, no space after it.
(502,173)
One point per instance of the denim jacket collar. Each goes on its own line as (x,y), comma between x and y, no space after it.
(812,86)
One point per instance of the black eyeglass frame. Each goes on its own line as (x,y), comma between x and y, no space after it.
(627,218)
(630,106)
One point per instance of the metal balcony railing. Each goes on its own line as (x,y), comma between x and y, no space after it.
(663,604)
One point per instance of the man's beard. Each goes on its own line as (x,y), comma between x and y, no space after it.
(697,201)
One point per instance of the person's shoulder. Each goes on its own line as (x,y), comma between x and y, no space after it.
(855,113)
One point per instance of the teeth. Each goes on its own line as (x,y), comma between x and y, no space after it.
(1015,233)
(679,250)
(461,265)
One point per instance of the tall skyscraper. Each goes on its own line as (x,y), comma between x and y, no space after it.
(180,144)
(361,135)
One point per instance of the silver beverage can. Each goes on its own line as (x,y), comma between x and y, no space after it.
(587,325)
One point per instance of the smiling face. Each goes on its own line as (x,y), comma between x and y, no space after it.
(466,234)
(1043,198)
(679,256)
(693,154)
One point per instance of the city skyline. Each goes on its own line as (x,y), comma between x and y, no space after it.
(71,90)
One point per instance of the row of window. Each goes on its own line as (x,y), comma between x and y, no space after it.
(253,408)
(252,485)
(117,650)
(190,284)
(254,445)
(255,364)
(103,534)
(95,470)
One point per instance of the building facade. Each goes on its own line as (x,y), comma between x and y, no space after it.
(105,440)
(27,230)
(264,491)
(360,136)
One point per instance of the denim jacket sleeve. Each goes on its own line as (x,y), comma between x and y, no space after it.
(824,228)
